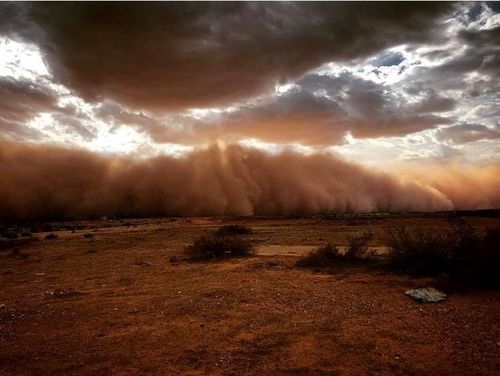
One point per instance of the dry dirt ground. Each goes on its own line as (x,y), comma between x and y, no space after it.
(123,302)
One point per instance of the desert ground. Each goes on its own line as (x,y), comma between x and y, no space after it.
(118,297)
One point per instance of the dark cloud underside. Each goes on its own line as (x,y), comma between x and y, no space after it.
(178,55)
(19,102)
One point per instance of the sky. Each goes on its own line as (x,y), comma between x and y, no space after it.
(366,106)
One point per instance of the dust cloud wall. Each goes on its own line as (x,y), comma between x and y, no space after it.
(52,183)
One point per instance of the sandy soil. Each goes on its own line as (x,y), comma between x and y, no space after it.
(119,303)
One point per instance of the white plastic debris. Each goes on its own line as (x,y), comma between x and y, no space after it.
(426,295)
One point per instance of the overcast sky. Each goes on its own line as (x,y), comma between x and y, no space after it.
(371,81)
(378,84)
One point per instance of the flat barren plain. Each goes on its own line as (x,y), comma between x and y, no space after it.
(119,297)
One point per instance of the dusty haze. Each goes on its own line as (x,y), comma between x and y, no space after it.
(42,182)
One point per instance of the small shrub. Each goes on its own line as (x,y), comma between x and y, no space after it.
(327,255)
(234,230)
(51,236)
(479,267)
(460,256)
(356,250)
(216,246)
(487,260)
(418,252)
(357,246)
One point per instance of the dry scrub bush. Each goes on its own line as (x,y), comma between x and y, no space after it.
(356,250)
(418,251)
(327,255)
(459,255)
(215,246)
(357,246)
(476,264)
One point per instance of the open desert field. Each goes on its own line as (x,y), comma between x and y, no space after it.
(119,297)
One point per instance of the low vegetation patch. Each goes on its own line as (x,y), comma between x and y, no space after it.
(234,230)
(418,251)
(459,255)
(357,246)
(324,256)
(216,246)
(356,250)
(484,264)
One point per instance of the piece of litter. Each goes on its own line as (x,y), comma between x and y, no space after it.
(426,295)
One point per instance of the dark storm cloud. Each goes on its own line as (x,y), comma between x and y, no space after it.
(136,59)
(178,55)
(73,124)
(319,110)
(433,102)
(473,76)
(376,111)
(481,55)
(117,115)
(20,101)
(297,116)
(494,6)
(466,132)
